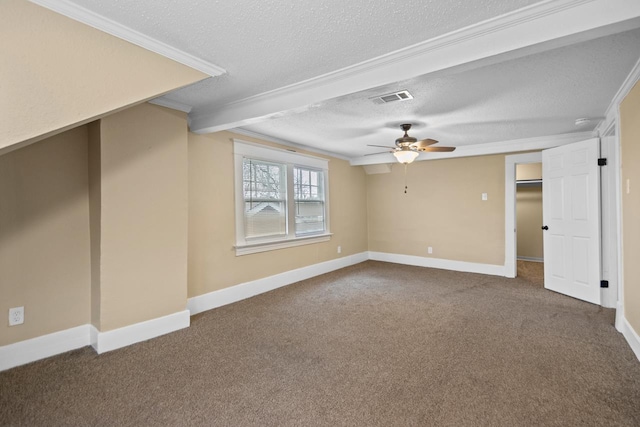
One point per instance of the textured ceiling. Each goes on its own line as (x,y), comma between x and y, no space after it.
(268,44)
(535,95)
(498,70)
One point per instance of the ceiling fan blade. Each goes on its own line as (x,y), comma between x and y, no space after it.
(437,149)
(424,143)
(379,152)
(381,146)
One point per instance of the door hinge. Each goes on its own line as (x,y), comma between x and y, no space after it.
(604,283)
(602,161)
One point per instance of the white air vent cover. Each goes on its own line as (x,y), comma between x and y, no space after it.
(403,95)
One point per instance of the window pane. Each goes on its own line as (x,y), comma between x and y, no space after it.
(309,201)
(265,205)
(309,217)
(265,219)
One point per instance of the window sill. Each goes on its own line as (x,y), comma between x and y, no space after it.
(253,248)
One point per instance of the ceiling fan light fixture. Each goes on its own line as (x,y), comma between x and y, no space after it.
(406,156)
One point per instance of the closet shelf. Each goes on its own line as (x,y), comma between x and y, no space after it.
(529,182)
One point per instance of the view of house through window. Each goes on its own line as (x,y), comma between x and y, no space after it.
(265,192)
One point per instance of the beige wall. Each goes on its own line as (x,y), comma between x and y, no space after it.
(630,142)
(57,73)
(442,209)
(143,215)
(527,171)
(213,264)
(44,236)
(529,221)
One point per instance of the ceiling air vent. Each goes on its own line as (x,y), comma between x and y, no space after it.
(403,95)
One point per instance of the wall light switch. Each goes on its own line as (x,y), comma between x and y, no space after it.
(628,185)
(485,196)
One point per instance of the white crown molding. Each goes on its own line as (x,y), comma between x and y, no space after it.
(502,147)
(444,264)
(530,26)
(30,350)
(163,101)
(605,125)
(81,14)
(249,289)
(138,332)
(287,143)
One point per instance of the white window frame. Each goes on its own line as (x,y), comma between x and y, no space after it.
(247,150)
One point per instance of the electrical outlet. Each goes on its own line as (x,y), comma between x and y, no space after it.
(485,196)
(16,316)
(429,250)
(339,249)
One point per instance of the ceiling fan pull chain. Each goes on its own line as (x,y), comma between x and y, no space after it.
(405,178)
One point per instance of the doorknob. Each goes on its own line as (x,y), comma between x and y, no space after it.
(545,227)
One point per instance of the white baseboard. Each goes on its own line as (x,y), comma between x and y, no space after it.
(138,332)
(445,264)
(632,337)
(242,291)
(620,320)
(27,351)
(49,345)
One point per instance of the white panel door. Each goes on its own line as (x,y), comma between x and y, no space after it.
(571,216)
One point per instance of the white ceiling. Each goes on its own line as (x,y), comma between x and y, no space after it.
(532,96)
(480,72)
(267,44)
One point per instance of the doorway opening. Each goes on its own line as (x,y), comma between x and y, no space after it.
(511,230)
(529,234)
(575,204)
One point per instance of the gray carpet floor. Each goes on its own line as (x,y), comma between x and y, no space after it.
(375,344)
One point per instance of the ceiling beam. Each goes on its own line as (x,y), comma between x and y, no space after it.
(551,23)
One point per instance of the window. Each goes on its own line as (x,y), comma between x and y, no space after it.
(265,199)
(281,198)
(308,190)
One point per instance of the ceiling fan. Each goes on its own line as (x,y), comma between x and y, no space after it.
(408,148)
